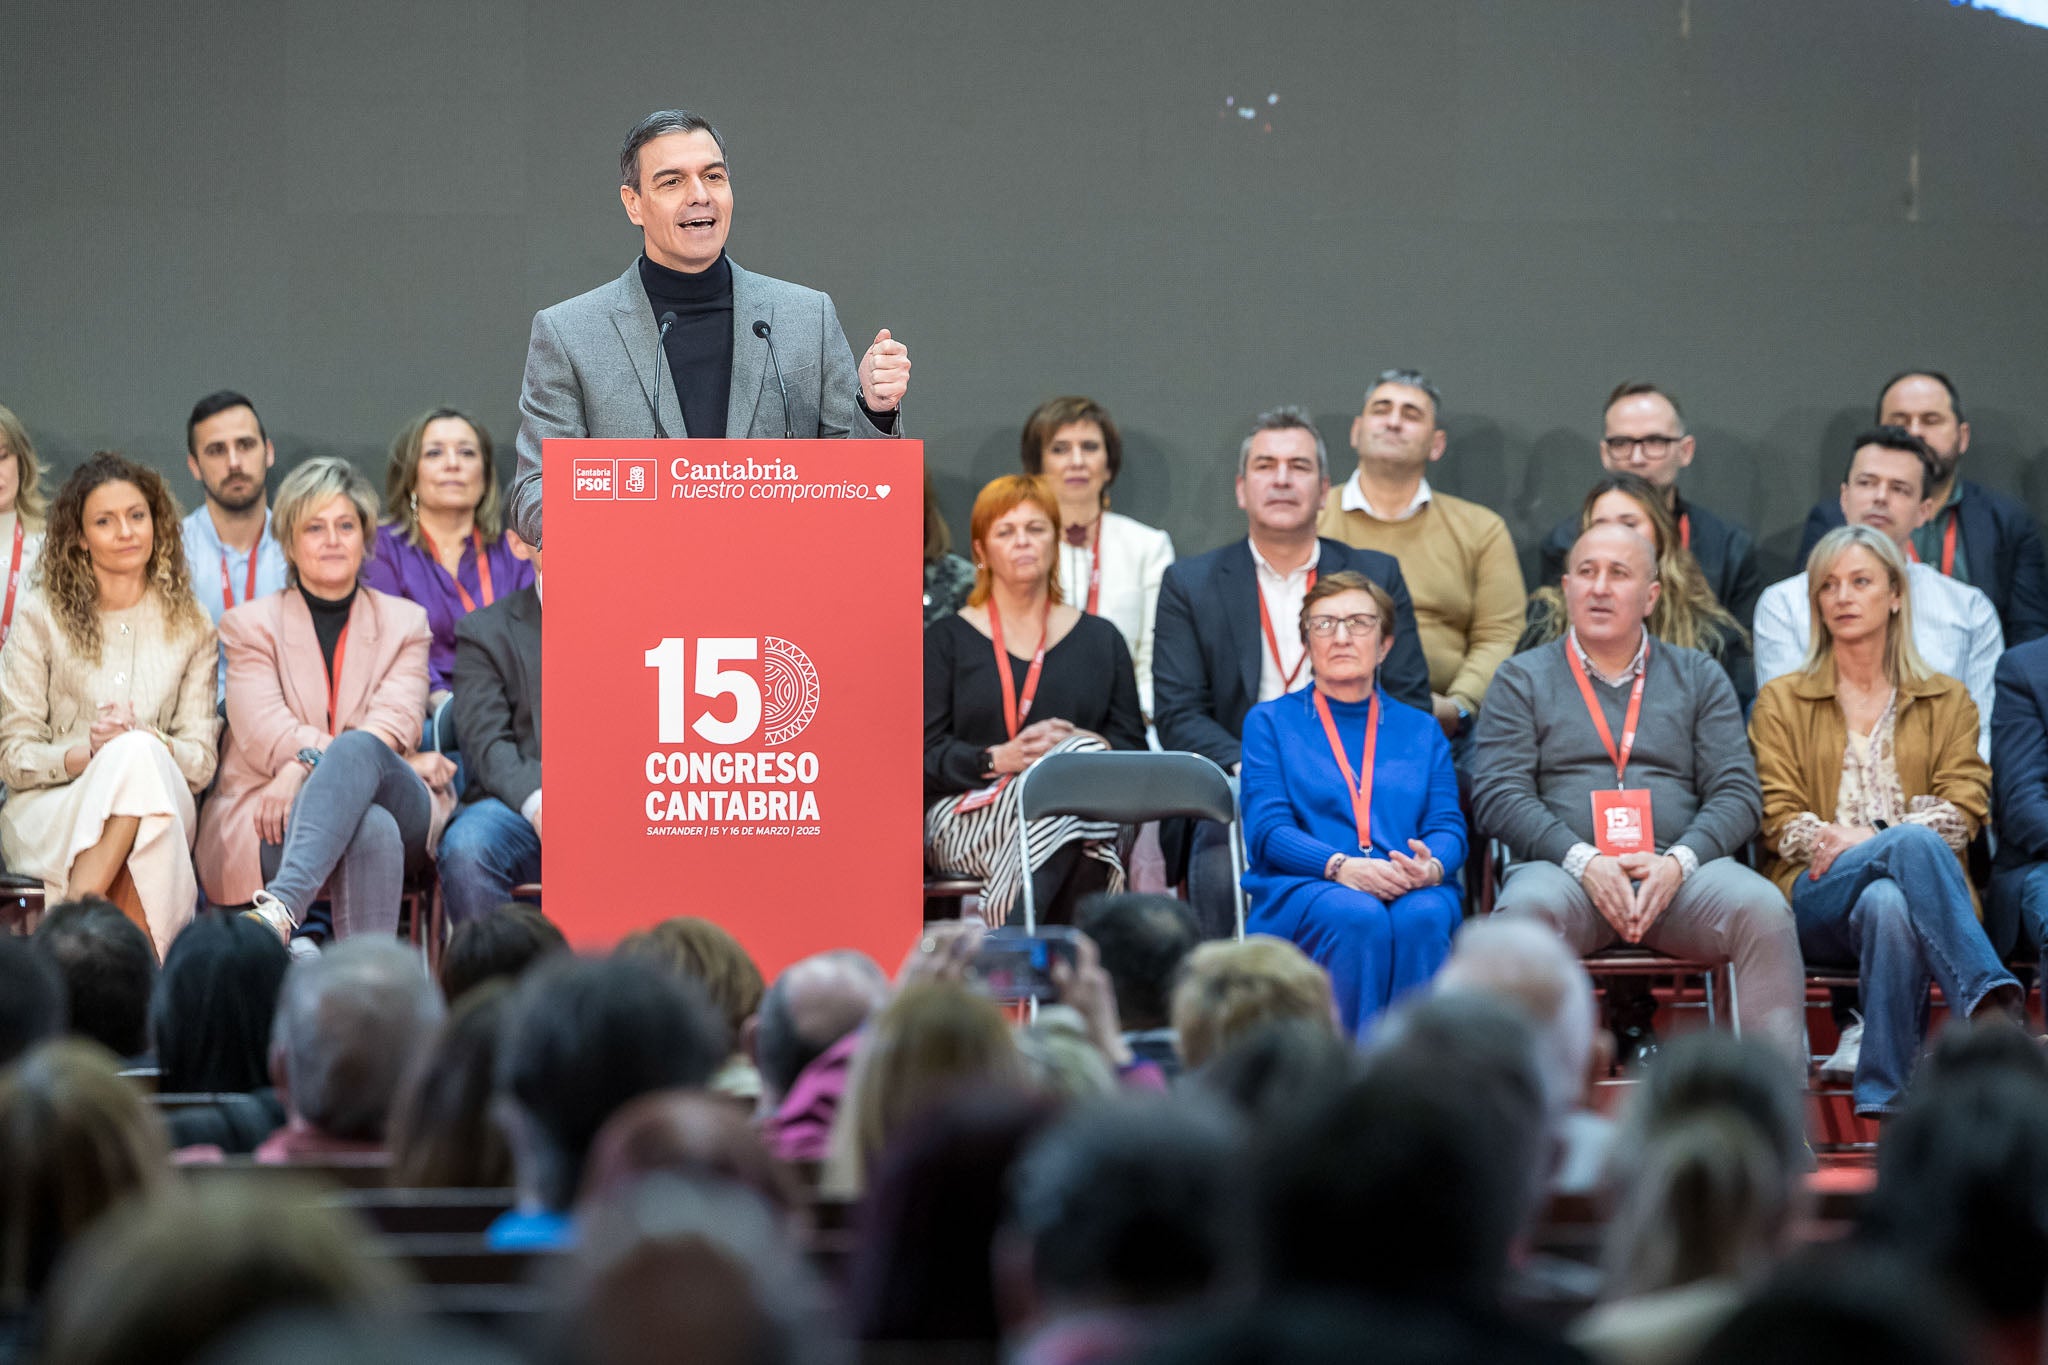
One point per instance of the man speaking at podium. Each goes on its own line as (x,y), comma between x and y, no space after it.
(686,343)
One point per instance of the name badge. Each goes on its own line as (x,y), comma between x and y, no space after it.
(1622,822)
(984,796)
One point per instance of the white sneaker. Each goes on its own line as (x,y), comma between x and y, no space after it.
(271,912)
(1842,1066)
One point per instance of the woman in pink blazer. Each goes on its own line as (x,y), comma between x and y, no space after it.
(320,785)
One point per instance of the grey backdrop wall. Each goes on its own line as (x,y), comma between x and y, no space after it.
(351,211)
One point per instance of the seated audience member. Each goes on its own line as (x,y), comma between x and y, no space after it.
(803,1039)
(163,1280)
(22,511)
(1955,627)
(1060,1061)
(1072,683)
(2019,799)
(1351,822)
(1526,964)
(1686,612)
(503,943)
(210,1022)
(1111,564)
(1708,1172)
(321,786)
(1230,989)
(947,577)
(109,972)
(349,1023)
(229,550)
(1274,1069)
(1971,533)
(1143,940)
(582,1037)
(32,1001)
(1456,556)
(709,955)
(688,1135)
(1224,641)
(445,546)
(1643,436)
(921,1266)
(1118,1218)
(493,844)
(1834,1304)
(76,1139)
(1633,844)
(1873,790)
(106,703)
(442,1135)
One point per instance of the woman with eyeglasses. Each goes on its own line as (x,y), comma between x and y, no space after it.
(1350,804)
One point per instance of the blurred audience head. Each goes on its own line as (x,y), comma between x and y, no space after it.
(1229,988)
(1059,1057)
(76,1139)
(442,1134)
(31,998)
(215,1002)
(1143,940)
(811,1006)
(21,470)
(584,1036)
(1841,1304)
(688,1134)
(349,1024)
(109,968)
(708,955)
(933,1040)
(1528,965)
(1273,1070)
(503,943)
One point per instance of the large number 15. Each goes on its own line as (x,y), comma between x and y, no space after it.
(670,662)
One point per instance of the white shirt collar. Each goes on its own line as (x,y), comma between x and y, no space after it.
(1267,570)
(1353,500)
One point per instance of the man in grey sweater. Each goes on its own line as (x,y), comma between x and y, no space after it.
(1543,762)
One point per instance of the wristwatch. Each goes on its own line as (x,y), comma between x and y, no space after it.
(309,756)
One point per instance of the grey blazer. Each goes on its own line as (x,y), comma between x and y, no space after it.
(591,370)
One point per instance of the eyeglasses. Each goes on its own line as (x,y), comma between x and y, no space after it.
(1656,447)
(1360,624)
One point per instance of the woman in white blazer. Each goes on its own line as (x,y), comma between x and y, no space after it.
(1111,564)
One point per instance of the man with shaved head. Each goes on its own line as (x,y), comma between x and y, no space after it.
(1618,772)
(803,1039)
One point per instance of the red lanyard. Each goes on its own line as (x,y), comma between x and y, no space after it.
(1948,549)
(13,579)
(334,683)
(483,568)
(227,592)
(1287,675)
(1628,723)
(1016,710)
(1685,529)
(1359,784)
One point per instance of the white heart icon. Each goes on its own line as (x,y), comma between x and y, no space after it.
(881,490)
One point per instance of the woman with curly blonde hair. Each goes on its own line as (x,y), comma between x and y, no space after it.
(107,721)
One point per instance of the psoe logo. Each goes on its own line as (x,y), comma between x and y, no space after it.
(636,479)
(595,478)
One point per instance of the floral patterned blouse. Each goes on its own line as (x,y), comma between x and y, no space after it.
(1870,792)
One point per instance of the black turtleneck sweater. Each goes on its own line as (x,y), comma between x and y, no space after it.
(329,619)
(699,346)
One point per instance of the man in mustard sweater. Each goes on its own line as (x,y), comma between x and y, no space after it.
(1456,556)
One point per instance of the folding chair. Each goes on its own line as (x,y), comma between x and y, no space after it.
(1129,787)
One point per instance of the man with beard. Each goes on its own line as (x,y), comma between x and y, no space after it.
(229,550)
(1974,535)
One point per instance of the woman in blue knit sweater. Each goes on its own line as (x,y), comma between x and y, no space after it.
(1377,910)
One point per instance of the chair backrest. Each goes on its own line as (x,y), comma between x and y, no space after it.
(1129,787)
(456,1211)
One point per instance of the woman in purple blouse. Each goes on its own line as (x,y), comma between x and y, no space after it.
(445,546)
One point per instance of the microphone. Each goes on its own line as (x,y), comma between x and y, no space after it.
(761,330)
(667,321)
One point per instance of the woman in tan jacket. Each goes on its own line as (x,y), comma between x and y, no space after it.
(1873,789)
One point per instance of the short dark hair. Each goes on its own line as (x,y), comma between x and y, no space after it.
(583,1036)
(109,968)
(215,1002)
(212,406)
(1048,417)
(1143,940)
(1955,400)
(503,943)
(1904,441)
(31,998)
(1636,388)
(661,123)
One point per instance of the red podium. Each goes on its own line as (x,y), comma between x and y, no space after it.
(732,691)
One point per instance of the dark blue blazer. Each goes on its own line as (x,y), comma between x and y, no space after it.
(2004,550)
(1207,645)
(2019,783)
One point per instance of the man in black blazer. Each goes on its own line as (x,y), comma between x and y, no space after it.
(2019,798)
(493,844)
(1228,631)
(1982,537)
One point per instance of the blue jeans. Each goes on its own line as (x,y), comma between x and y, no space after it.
(1898,906)
(1375,951)
(487,849)
(2034,907)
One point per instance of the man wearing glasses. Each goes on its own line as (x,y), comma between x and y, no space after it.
(1645,435)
